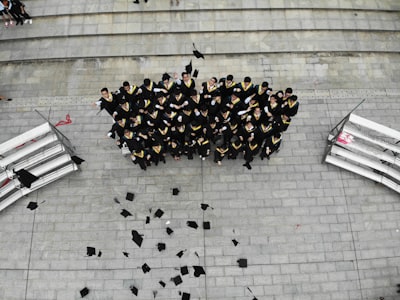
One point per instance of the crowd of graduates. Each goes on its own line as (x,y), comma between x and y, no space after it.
(221,118)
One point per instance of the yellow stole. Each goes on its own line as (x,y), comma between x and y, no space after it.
(140,154)
(129,135)
(190,83)
(109,99)
(245,88)
(157,149)
(252,147)
(274,141)
(132,89)
(291,104)
(211,89)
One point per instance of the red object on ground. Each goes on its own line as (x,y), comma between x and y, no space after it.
(66,122)
(5,182)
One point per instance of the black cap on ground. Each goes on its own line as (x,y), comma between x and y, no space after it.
(185,296)
(206,225)
(177,280)
(161,246)
(32,205)
(147,220)
(126,254)
(189,68)
(130,196)
(159,213)
(90,251)
(137,238)
(175,191)
(198,270)
(195,73)
(184,270)
(146,268)
(125,213)
(26,178)
(180,253)
(169,231)
(100,254)
(134,290)
(162,283)
(84,292)
(235,242)
(77,159)
(192,224)
(242,262)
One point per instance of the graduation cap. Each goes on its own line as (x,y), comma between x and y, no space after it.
(134,290)
(84,292)
(130,196)
(126,254)
(155,294)
(100,253)
(195,253)
(184,270)
(77,159)
(169,231)
(195,73)
(162,283)
(189,68)
(192,224)
(159,213)
(90,251)
(116,200)
(26,178)
(125,213)
(198,270)
(177,280)
(197,53)
(146,268)
(175,191)
(137,238)
(235,242)
(147,220)
(242,262)
(180,253)
(185,296)
(32,205)
(204,206)
(161,246)
(206,225)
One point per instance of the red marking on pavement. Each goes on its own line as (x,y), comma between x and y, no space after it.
(66,122)
(298,226)
(6,182)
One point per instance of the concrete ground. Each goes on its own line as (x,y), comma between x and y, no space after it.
(308,230)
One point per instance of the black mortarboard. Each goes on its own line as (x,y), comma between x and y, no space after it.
(235,242)
(242,262)
(162,283)
(126,254)
(254,298)
(116,200)
(185,296)
(161,246)
(189,68)
(180,253)
(195,253)
(169,231)
(84,292)
(146,268)
(134,290)
(147,220)
(77,159)
(175,191)
(195,73)
(125,213)
(26,178)
(198,270)
(177,280)
(32,205)
(90,251)
(204,206)
(100,253)
(158,213)
(130,196)
(197,53)
(184,270)
(206,225)
(137,238)
(192,224)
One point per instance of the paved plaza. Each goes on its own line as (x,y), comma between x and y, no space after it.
(309,231)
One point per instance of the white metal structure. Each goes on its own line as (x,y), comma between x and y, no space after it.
(42,151)
(367,148)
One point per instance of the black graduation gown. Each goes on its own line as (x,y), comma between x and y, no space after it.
(110,105)
(188,88)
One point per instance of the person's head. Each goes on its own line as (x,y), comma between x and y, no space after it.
(293,98)
(159,96)
(165,77)
(288,92)
(177,91)
(146,82)
(257,110)
(279,94)
(126,86)
(247,81)
(264,86)
(185,76)
(104,92)
(193,93)
(229,78)
(273,98)
(212,81)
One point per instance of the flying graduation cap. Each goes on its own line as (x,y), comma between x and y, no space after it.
(125,254)
(235,242)
(146,268)
(32,205)
(185,296)
(184,270)
(137,238)
(180,253)
(159,213)
(26,178)
(162,283)
(169,231)
(197,53)
(175,191)
(204,206)
(134,290)
(77,159)
(198,270)
(206,225)
(84,292)
(130,196)
(177,280)
(161,246)
(242,262)
(192,224)
(90,251)
(125,213)
(189,68)
(195,73)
